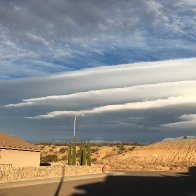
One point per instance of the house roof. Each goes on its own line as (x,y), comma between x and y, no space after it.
(11,142)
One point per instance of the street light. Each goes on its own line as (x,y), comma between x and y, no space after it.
(75,124)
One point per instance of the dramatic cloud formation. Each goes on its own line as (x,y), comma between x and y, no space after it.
(188,121)
(142,97)
(38,38)
(139,92)
(128,65)
(127,106)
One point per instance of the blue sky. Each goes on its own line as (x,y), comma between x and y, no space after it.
(47,44)
(40,38)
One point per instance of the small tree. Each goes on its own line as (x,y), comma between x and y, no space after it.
(74,152)
(81,153)
(84,155)
(70,155)
(88,156)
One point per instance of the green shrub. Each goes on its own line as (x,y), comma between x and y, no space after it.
(74,152)
(70,155)
(88,156)
(84,156)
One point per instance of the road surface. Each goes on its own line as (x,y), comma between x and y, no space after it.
(127,183)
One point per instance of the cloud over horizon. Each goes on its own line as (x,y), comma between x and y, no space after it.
(129,65)
(142,97)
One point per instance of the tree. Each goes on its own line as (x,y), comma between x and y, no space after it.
(70,155)
(74,152)
(88,157)
(84,155)
(81,153)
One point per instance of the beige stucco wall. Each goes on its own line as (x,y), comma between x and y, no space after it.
(19,158)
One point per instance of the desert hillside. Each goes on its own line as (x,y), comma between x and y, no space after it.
(165,155)
(59,153)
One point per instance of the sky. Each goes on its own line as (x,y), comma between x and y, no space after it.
(129,66)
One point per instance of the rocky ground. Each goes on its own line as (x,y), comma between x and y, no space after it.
(177,155)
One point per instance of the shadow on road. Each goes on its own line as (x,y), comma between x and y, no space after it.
(183,185)
(61,182)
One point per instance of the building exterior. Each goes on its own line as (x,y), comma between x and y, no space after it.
(17,152)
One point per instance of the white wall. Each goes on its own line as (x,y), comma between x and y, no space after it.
(20,158)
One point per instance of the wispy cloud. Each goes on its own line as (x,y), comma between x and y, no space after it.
(91,33)
(171,101)
(187,121)
(153,92)
(139,92)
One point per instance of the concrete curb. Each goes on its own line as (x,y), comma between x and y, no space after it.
(54,180)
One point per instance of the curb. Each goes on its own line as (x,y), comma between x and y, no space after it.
(53,180)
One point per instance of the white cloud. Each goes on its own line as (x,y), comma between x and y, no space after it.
(157,91)
(38,39)
(188,121)
(171,101)
(34,42)
(126,94)
(29,30)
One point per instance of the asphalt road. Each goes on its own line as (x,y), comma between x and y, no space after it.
(126,184)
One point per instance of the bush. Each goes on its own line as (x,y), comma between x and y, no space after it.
(94,160)
(62,150)
(50,158)
(64,158)
(131,148)
(121,149)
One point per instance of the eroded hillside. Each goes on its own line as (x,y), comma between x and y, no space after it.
(166,155)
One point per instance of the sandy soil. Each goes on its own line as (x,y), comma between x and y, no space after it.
(174,155)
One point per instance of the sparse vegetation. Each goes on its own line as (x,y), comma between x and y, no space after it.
(62,150)
(94,160)
(121,149)
(98,152)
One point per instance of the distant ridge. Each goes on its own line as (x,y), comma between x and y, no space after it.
(181,137)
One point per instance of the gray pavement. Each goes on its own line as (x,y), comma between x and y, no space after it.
(120,183)
(48,181)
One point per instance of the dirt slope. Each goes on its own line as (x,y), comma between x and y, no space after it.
(166,155)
